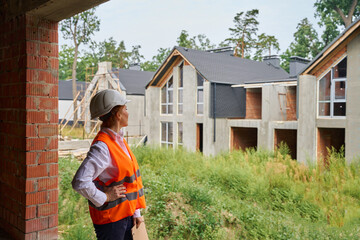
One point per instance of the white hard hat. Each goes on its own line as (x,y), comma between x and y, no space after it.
(104,101)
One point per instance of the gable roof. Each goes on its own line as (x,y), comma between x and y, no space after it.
(223,68)
(345,37)
(134,81)
(65,89)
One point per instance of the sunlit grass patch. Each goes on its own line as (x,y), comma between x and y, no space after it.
(237,195)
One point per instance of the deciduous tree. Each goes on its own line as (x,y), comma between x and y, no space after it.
(306,43)
(199,42)
(111,51)
(334,15)
(79,29)
(66,60)
(157,60)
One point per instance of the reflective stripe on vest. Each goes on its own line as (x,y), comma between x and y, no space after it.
(129,175)
(129,196)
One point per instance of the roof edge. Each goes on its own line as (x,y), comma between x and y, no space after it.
(331,47)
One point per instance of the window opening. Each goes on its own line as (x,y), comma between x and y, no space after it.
(167,134)
(167,95)
(200,95)
(332,91)
(180,90)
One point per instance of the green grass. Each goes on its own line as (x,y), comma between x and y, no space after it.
(238,195)
(75,133)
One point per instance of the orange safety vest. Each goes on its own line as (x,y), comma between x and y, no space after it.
(129,175)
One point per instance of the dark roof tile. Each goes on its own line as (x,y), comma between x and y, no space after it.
(134,81)
(223,68)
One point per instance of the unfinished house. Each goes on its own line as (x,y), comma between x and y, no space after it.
(213,102)
(130,82)
(134,82)
(270,111)
(328,111)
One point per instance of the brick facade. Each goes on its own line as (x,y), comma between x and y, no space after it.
(28,127)
(253,103)
(326,66)
(291,104)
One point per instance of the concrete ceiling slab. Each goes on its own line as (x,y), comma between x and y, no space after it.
(54,10)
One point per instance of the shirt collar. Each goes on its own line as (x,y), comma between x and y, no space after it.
(114,135)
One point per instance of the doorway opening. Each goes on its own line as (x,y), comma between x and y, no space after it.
(243,138)
(287,136)
(199,137)
(328,138)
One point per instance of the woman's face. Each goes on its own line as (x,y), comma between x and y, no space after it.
(123,116)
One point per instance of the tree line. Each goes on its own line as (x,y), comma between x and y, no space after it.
(333,16)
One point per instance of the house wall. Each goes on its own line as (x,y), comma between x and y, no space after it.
(309,124)
(189,118)
(152,115)
(136,115)
(215,139)
(273,116)
(352,132)
(64,106)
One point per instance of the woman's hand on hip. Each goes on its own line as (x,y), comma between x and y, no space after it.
(115,192)
(138,221)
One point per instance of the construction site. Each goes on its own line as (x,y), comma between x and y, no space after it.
(204,101)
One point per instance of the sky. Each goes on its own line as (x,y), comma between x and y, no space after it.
(155,24)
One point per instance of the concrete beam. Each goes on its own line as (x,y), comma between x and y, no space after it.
(306,134)
(47,9)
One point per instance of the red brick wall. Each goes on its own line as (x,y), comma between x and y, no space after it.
(330,62)
(28,127)
(253,103)
(291,104)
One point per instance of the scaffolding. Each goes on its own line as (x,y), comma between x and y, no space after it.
(101,80)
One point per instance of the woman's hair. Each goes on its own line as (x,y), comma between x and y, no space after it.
(108,120)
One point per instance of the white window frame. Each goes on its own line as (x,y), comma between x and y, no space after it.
(181,90)
(197,90)
(166,142)
(167,103)
(332,91)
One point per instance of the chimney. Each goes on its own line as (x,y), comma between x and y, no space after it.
(135,66)
(104,67)
(297,64)
(274,60)
(223,50)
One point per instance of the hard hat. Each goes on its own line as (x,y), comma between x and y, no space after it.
(104,101)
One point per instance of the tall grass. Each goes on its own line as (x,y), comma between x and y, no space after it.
(75,133)
(240,195)
(74,218)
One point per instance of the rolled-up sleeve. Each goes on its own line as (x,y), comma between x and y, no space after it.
(96,161)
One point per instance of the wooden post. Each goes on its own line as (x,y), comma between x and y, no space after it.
(82,112)
(70,107)
(94,128)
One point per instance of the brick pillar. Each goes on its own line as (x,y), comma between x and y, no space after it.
(28,127)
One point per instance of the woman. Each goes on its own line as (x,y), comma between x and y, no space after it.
(109,177)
